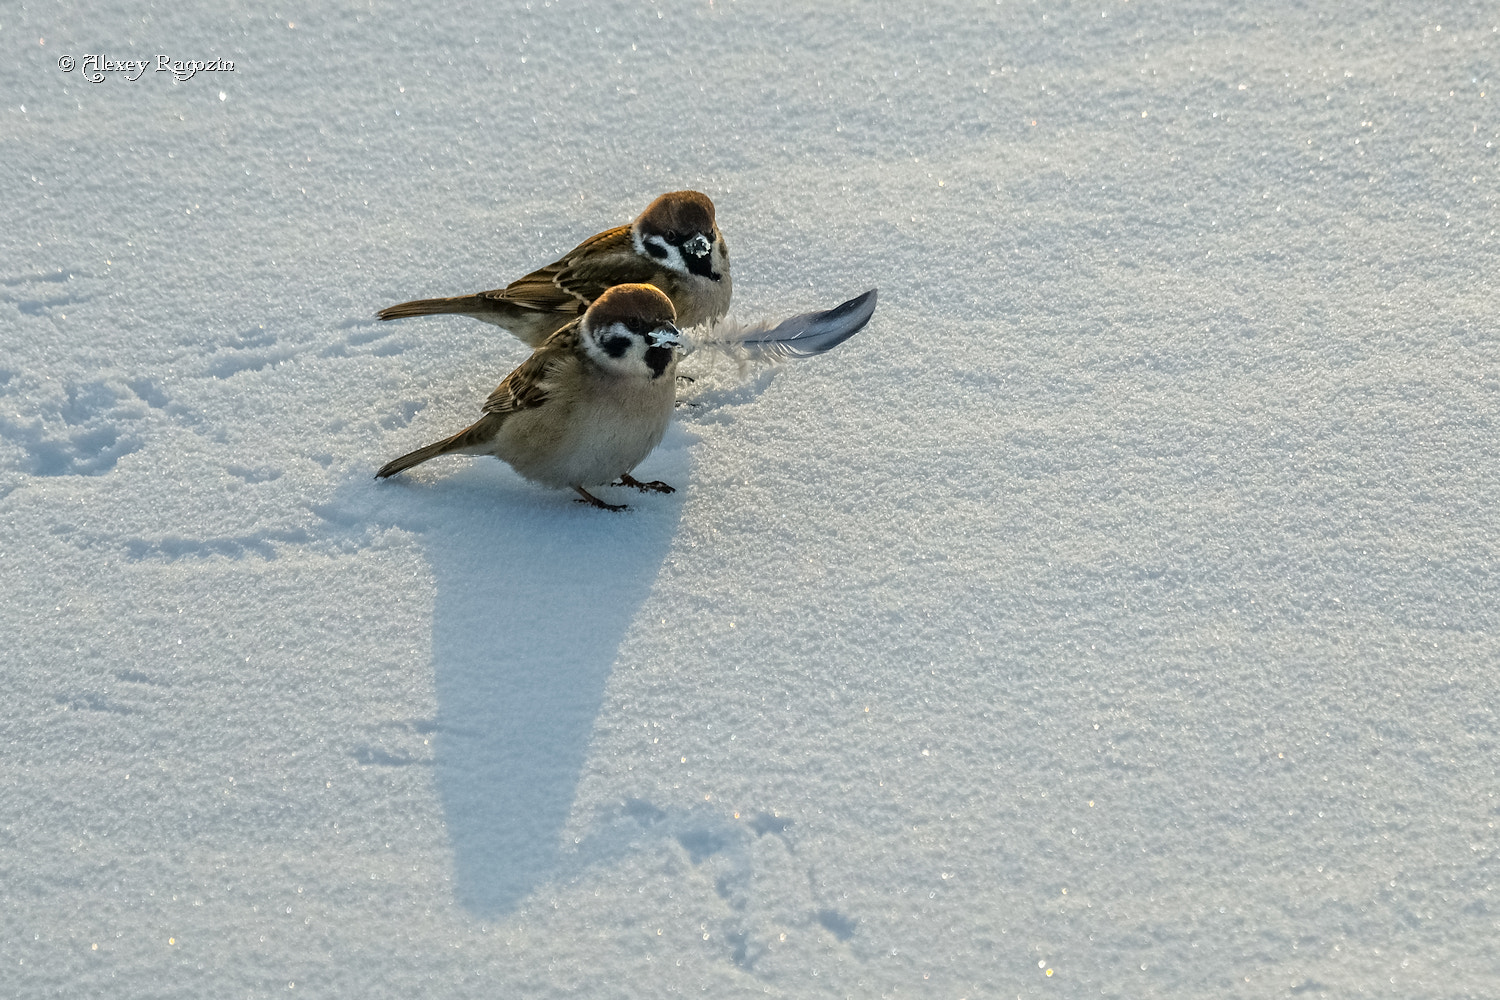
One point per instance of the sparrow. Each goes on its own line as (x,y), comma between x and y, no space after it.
(587,406)
(674,244)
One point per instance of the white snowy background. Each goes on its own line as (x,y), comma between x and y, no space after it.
(1115,616)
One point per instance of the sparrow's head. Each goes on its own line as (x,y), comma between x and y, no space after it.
(678,231)
(631,330)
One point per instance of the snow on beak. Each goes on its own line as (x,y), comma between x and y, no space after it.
(666,335)
(698,246)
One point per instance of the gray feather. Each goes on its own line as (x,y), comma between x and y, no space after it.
(799,337)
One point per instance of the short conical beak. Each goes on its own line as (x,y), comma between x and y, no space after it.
(698,246)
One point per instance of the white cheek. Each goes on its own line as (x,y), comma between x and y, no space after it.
(631,363)
(673,260)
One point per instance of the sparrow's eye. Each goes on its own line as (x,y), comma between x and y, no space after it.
(674,237)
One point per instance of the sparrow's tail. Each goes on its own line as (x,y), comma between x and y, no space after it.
(469,305)
(469,439)
(531,326)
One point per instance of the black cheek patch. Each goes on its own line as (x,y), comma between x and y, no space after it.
(657,359)
(655,250)
(616,347)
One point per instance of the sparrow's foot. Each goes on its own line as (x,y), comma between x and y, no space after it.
(589,498)
(657,487)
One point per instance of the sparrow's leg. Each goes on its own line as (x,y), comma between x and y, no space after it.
(657,487)
(589,498)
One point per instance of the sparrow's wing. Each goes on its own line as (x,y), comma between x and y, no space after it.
(526,387)
(799,337)
(569,285)
(530,385)
(603,262)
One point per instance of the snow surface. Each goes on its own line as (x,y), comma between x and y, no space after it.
(1114,616)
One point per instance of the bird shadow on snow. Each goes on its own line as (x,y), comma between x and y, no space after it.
(534,594)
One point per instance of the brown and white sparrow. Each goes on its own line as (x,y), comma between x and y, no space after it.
(588,405)
(675,244)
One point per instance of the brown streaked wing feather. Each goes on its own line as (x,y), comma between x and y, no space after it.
(610,262)
(569,285)
(528,386)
